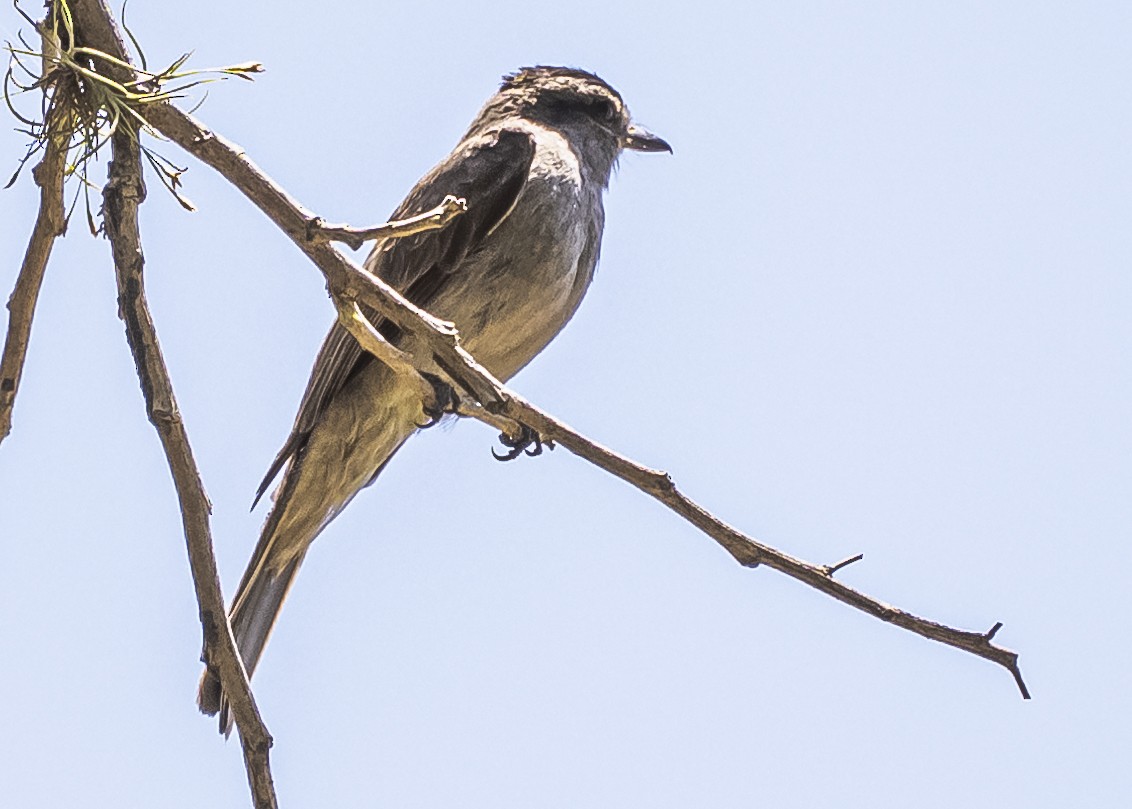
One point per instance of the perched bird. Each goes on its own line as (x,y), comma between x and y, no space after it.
(510,272)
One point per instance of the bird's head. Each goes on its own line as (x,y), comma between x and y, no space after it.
(582,106)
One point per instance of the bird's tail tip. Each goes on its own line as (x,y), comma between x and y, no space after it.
(253,616)
(211,701)
(209,693)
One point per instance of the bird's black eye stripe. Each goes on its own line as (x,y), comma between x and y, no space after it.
(600,109)
(604,110)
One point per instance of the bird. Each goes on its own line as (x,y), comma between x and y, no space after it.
(509,273)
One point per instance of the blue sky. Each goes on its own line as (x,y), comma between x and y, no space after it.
(877,301)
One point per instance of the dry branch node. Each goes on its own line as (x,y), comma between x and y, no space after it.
(351,316)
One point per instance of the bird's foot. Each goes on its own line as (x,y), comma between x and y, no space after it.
(444,401)
(527,441)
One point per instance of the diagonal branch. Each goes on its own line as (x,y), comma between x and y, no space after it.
(348,283)
(750,552)
(347,280)
(50,223)
(123,193)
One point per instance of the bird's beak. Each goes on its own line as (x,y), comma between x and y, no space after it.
(640,139)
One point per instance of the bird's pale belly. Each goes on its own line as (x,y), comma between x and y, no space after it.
(505,338)
(506,317)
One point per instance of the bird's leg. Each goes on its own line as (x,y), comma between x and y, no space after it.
(444,400)
(528,441)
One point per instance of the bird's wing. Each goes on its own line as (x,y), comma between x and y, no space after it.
(489,172)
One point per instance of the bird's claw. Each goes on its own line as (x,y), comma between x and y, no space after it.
(527,441)
(444,402)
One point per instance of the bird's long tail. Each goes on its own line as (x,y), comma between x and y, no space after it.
(357,435)
(287,533)
(303,506)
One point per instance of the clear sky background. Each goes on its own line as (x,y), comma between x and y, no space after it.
(877,301)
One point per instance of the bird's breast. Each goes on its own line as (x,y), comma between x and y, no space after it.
(518,290)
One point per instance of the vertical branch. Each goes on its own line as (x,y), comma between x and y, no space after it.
(50,223)
(124,191)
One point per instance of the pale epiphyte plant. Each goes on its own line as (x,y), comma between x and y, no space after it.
(82,107)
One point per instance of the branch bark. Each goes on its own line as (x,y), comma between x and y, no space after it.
(49,224)
(348,284)
(750,552)
(435,219)
(347,281)
(122,195)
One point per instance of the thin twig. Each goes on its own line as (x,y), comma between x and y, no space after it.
(437,218)
(750,552)
(829,570)
(49,224)
(469,408)
(354,320)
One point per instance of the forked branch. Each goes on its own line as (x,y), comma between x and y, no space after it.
(495,404)
(438,217)
(346,279)
(485,398)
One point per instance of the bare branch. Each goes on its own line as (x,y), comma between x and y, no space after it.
(346,278)
(49,224)
(122,195)
(749,552)
(474,410)
(124,191)
(437,218)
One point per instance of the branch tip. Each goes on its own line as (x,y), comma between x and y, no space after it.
(1017,672)
(993,631)
(829,570)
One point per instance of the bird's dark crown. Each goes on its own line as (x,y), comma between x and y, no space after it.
(558,94)
(543,77)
